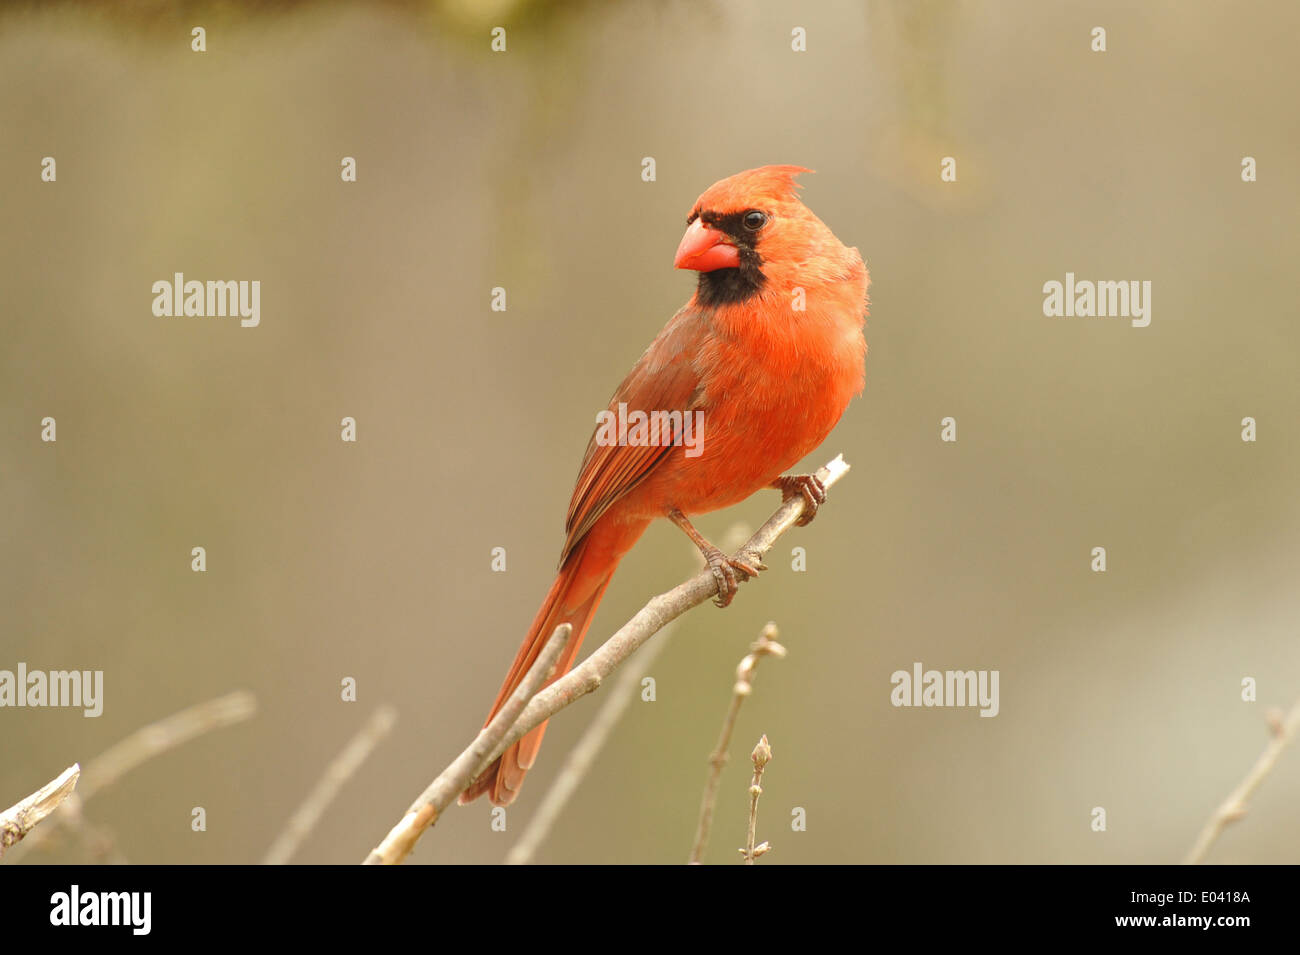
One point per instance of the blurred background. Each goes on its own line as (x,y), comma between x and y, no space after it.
(522,169)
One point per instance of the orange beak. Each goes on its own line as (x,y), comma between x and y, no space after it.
(704,250)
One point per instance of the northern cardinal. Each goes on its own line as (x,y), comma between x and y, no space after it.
(770,349)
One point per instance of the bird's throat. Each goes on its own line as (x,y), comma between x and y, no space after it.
(730,286)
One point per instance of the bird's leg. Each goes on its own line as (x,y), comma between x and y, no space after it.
(724,568)
(806,485)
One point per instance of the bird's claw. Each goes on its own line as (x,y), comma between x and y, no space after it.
(730,573)
(810,487)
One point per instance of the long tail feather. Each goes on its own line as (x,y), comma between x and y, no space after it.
(573,599)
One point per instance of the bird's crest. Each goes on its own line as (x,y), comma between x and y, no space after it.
(744,189)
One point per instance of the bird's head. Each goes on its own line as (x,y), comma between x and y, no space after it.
(750,232)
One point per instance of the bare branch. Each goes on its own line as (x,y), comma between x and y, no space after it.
(1234,807)
(24,815)
(766,645)
(144,744)
(339,771)
(455,779)
(586,677)
(582,755)
(761,756)
(168,733)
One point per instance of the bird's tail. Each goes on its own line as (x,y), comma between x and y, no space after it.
(572,599)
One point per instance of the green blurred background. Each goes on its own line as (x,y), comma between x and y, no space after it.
(329,560)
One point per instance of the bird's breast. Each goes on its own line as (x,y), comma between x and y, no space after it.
(772,386)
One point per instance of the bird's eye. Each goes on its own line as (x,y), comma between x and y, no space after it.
(755,220)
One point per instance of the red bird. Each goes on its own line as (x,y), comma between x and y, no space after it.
(769,348)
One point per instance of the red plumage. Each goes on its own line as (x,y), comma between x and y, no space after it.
(770,349)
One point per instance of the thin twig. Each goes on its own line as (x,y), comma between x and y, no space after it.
(168,733)
(144,744)
(1234,807)
(581,757)
(23,816)
(761,756)
(339,771)
(588,676)
(765,646)
(456,778)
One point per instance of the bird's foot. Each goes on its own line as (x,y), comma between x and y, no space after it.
(806,485)
(730,573)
